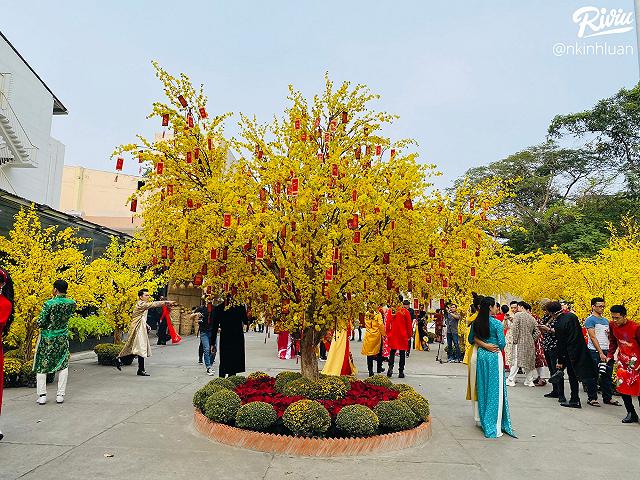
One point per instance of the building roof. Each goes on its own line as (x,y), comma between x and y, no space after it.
(53,213)
(58,107)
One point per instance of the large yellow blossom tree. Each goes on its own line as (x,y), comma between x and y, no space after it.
(35,257)
(317,217)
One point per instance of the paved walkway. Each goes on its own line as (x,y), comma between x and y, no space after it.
(145,423)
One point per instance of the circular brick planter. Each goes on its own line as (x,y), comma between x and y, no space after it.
(310,447)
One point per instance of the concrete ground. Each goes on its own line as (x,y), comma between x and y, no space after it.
(117,425)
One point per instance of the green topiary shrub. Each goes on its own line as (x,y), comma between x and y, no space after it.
(302,386)
(285,377)
(223,382)
(256,375)
(12,369)
(395,415)
(222,406)
(347,379)
(202,395)
(306,418)
(416,402)
(328,388)
(27,375)
(108,352)
(357,421)
(258,416)
(237,379)
(379,380)
(401,387)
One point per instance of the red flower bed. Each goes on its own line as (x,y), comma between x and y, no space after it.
(263,390)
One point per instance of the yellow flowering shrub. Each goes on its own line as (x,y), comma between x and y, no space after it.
(306,418)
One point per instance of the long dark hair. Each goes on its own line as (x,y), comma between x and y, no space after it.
(481,323)
(7,291)
(475,305)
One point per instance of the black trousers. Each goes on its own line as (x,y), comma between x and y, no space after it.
(552,359)
(590,383)
(323,351)
(378,360)
(162,332)
(200,352)
(628,403)
(392,357)
(140,361)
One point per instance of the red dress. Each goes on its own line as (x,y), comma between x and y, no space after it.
(626,340)
(399,328)
(5,311)
(166,313)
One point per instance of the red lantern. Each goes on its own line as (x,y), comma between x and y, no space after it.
(327,137)
(154,260)
(357,151)
(428,279)
(282,272)
(408,204)
(445,283)
(328,275)
(316,123)
(416,304)
(460,219)
(354,196)
(165,120)
(432,251)
(473,272)
(385,259)
(203,112)
(283,232)
(442,305)
(159,168)
(376,210)
(190,120)
(205,269)
(134,204)
(163,252)
(367,150)
(303,136)
(354,222)
(321,156)
(389,284)
(259,251)
(294,186)
(297,124)
(171,253)
(393,152)
(336,253)
(182,101)
(393,224)
(478,252)
(472,204)
(335,268)
(443,264)
(226,223)
(189,157)
(209,143)
(197,280)
(334,170)
(356,237)
(378,150)
(223,269)
(196,153)
(189,203)
(213,254)
(344,117)
(269,248)
(463,244)
(315,205)
(119,163)
(260,153)
(225,255)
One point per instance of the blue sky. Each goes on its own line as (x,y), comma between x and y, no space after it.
(472,81)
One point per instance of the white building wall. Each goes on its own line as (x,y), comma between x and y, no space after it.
(33,105)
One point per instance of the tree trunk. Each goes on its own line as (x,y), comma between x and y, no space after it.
(117,336)
(309,361)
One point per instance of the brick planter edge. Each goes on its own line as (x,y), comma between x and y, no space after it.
(310,447)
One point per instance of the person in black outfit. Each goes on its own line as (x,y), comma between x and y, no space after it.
(162,325)
(232,322)
(574,356)
(549,344)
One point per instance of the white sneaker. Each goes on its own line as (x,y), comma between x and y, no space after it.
(59,398)
(41,400)
(527,384)
(210,372)
(510,383)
